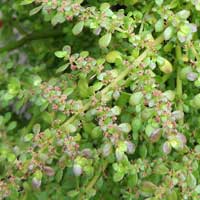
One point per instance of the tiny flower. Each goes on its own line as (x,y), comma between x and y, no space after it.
(73,67)
(55,107)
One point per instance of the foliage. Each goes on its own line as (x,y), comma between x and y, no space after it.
(99,99)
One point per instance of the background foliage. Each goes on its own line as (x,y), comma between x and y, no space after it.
(99,99)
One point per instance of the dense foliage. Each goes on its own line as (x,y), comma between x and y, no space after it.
(99,99)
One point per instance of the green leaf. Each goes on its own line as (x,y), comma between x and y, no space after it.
(38,174)
(197,148)
(12,125)
(14,86)
(125,127)
(104,41)
(97,86)
(59,175)
(96,132)
(35,10)
(161,169)
(166,66)
(36,128)
(185,29)
(91,192)
(132,180)
(71,128)
(62,68)
(7,117)
(116,110)
(159,2)
(104,6)
(118,176)
(58,18)
(36,80)
(197,6)
(47,117)
(183,14)
(73,193)
(197,189)
(168,33)
(136,124)
(147,113)
(191,180)
(159,26)
(136,98)
(84,54)
(148,188)
(26,2)
(172,195)
(196,101)
(78,28)
(112,56)
(143,151)
(149,130)
(11,157)
(83,87)
(60,54)
(28,137)
(68,91)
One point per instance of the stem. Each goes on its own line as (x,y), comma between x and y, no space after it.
(115,82)
(20,29)
(94,179)
(31,123)
(30,37)
(179,88)
(77,183)
(165,78)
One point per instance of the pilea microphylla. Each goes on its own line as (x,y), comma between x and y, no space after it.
(100,100)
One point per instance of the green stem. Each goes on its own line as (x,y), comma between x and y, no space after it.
(19,28)
(179,87)
(115,82)
(77,183)
(165,78)
(31,123)
(30,37)
(94,180)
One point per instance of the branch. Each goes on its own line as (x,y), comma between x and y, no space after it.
(30,37)
(179,85)
(114,83)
